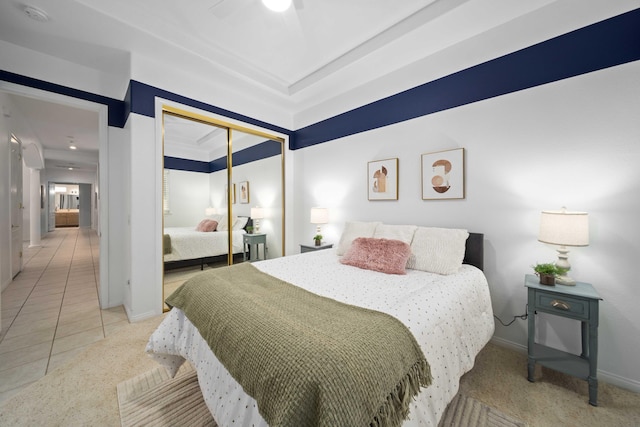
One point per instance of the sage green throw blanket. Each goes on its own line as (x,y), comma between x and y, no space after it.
(307,360)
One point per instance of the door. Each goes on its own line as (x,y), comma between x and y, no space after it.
(16,206)
(51,201)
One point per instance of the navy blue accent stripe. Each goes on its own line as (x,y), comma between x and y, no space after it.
(143,102)
(605,44)
(257,152)
(177,163)
(218,164)
(116,108)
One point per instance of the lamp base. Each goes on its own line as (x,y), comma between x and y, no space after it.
(565,280)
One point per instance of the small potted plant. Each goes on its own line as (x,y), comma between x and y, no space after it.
(249,229)
(318,239)
(548,272)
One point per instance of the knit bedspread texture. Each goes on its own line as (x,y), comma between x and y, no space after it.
(307,360)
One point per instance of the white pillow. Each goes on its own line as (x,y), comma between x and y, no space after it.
(404,233)
(223,225)
(437,250)
(353,230)
(240,222)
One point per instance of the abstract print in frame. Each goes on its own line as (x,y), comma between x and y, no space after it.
(244,192)
(382,179)
(443,175)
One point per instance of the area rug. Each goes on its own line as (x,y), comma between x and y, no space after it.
(155,399)
(467,411)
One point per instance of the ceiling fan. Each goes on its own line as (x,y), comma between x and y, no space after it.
(224,8)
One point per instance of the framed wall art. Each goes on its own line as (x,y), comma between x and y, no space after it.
(443,175)
(244,191)
(382,179)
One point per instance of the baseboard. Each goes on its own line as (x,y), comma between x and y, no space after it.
(140,317)
(603,376)
(509,344)
(617,380)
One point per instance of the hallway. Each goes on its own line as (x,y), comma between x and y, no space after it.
(50,312)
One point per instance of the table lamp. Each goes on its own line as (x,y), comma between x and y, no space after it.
(564,228)
(319,216)
(257,214)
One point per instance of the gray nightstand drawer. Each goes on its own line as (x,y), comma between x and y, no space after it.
(573,307)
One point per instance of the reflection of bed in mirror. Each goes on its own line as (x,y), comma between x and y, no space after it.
(198,245)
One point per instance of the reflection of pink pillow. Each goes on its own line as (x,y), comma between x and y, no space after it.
(207,225)
(383,255)
(211,225)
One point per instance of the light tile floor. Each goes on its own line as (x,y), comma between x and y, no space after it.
(50,312)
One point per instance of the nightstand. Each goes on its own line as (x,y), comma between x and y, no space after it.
(312,248)
(579,302)
(254,240)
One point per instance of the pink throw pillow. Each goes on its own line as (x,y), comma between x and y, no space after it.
(211,225)
(383,255)
(207,225)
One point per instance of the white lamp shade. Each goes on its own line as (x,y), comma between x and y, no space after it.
(257,213)
(564,228)
(319,215)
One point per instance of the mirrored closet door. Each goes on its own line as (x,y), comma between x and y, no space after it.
(215,176)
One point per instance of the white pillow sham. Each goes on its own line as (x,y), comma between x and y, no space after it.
(353,230)
(240,222)
(404,233)
(223,225)
(437,250)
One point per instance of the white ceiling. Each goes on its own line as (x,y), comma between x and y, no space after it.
(192,139)
(317,54)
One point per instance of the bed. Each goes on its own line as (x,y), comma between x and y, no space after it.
(185,246)
(449,315)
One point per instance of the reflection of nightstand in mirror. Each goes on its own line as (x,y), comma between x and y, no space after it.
(250,244)
(312,248)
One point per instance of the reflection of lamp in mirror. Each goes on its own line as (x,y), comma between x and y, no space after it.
(257,214)
(210,211)
(277,5)
(564,228)
(319,216)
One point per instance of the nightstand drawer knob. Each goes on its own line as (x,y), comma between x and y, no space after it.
(560,304)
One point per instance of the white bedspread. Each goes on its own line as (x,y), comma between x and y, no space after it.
(187,243)
(450,316)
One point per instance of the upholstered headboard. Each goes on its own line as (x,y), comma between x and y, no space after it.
(248,224)
(474,253)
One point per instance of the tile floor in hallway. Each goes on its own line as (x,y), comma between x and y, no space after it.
(50,312)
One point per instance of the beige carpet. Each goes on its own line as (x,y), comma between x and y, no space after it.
(83,392)
(155,399)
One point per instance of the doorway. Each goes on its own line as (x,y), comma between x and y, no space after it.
(47,111)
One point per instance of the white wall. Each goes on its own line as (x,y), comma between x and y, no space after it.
(144,293)
(5,193)
(571,143)
(188,198)
(114,207)
(34,64)
(265,190)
